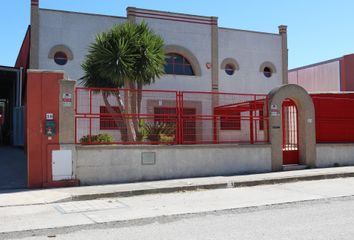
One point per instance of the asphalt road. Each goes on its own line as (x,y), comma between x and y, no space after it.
(317,219)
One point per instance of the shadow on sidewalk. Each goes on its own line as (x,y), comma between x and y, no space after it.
(13,168)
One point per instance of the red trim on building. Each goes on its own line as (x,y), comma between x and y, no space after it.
(177,18)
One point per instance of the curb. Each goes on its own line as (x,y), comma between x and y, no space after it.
(224,185)
(148,191)
(292,179)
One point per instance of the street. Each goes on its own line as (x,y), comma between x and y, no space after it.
(331,219)
(320,209)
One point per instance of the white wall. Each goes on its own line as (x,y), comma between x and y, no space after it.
(318,78)
(115,164)
(74,30)
(197,39)
(330,154)
(250,50)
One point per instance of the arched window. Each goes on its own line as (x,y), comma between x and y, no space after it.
(268,69)
(230,69)
(61,54)
(230,66)
(60,58)
(267,72)
(177,64)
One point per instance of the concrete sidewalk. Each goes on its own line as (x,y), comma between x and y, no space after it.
(45,196)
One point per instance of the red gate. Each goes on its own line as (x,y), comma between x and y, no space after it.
(290,133)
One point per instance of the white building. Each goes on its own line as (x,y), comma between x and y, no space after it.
(221,59)
(200,56)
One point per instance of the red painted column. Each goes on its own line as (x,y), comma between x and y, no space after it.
(347,73)
(42,97)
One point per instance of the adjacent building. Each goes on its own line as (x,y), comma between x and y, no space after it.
(332,75)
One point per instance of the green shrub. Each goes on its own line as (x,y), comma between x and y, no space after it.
(141,136)
(100,138)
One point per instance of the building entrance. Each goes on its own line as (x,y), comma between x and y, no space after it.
(290,133)
(13,162)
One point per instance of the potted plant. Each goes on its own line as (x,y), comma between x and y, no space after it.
(158,132)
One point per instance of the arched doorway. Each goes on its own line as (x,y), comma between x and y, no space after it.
(290,132)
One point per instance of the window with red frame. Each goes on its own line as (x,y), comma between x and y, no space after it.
(106,121)
(230,121)
(165,115)
(178,65)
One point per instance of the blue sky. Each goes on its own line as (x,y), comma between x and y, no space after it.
(317,30)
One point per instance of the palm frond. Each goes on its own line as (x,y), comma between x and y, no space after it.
(127,51)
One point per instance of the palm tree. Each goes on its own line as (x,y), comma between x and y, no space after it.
(129,55)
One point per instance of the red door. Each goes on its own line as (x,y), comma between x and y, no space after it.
(290,133)
(189,122)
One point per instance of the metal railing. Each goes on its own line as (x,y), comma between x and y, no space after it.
(130,116)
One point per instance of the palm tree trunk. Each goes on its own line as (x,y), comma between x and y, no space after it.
(128,110)
(135,116)
(139,99)
(119,121)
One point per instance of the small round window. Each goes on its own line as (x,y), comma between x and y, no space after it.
(60,58)
(229,69)
(267,72)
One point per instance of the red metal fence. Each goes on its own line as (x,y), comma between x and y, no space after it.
(129,116)
(334,117)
